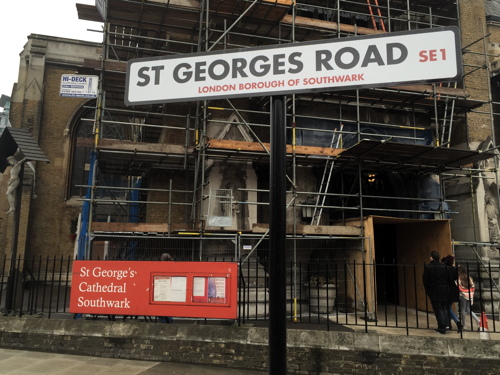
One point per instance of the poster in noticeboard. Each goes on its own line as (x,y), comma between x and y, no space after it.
(209,289)
(169,288)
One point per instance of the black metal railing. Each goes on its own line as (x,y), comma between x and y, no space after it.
(321,294)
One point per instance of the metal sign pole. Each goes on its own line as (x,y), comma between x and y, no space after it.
(277,238)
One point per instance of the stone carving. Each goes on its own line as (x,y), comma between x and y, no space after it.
(492,216)
(14,181)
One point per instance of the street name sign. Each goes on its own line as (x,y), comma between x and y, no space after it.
(419,56)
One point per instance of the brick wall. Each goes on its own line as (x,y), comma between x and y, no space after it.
(309,352)
(37,106)
(473,30)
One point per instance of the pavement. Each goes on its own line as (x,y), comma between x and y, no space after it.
(23,362)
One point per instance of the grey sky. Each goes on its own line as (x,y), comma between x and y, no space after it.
(21,18)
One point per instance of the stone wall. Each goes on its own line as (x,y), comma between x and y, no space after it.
(37,106)
(309,352)
(473,30)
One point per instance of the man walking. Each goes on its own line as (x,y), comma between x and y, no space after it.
(437,282)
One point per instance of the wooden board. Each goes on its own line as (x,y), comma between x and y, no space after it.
(336,230)
(129,227)
(266,10)
(255,146)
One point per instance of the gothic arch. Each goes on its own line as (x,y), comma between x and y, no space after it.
(80,127)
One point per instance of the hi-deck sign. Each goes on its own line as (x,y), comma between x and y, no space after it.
(430,55)
(79,86)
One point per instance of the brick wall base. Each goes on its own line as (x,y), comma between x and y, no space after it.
(309,352)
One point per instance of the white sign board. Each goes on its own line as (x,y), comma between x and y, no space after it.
(429,55)
(79,86)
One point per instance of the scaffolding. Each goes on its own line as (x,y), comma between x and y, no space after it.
(350,154)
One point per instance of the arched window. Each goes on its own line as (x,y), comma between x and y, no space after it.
(82,140)
(81,144)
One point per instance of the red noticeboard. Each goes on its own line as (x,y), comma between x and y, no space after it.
(178,289)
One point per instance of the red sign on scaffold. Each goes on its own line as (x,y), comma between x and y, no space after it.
(178,289)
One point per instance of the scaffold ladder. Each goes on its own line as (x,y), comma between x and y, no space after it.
(325,180)
(447,121)
(375,18)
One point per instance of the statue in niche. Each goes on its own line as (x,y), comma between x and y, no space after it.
(14,181)
(235,179)
(492,216)
(236,199)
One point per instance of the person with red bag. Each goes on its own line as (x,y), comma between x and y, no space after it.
(466,290)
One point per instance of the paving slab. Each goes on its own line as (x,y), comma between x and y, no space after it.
(23,362)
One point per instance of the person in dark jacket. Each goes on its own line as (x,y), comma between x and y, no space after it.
(438,281)
(449,261)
